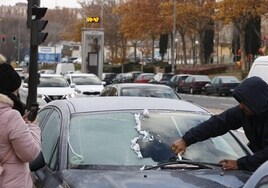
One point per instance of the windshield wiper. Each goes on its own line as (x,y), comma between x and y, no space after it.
(184,164)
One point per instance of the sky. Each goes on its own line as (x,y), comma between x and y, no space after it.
(45,3)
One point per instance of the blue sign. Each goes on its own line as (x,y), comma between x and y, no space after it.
(49,57)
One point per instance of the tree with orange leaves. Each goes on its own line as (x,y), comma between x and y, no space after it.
(240,12)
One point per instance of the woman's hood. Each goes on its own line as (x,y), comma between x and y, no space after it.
(253,92)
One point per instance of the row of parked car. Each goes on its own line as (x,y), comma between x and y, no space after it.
(182,83)
(219,85)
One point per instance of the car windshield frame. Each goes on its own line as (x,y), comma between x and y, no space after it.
(141,137)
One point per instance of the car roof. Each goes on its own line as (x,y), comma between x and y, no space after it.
(121,85)
(97,104)
(225,77)
(50,75)
(80,74)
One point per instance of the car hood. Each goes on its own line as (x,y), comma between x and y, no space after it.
(89,88)
(55,91)
(155,178)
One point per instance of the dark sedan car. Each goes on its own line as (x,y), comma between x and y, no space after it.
(139,90)
(105,142)
(195,84)
(222,85)
(176,81)
(108,77)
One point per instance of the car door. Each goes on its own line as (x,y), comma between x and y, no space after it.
(50,125)
(216,86)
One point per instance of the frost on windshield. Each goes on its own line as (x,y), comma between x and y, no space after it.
(144,135)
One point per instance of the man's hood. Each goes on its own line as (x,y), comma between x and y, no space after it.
(253,92)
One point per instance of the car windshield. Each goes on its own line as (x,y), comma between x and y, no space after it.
(53,82)
(202,79)
(140,138)
(149,92)
(86,80)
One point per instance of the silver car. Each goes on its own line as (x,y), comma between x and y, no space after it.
(125,142)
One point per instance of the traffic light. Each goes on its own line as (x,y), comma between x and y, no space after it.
(14,38)
(38,25)
(31,3)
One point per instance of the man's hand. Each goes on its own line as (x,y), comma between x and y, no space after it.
(179,146)
(229,164)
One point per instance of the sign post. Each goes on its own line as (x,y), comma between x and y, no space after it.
(92,51)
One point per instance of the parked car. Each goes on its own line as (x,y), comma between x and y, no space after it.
(195,84)
(64,68)
(176,81)
(108,77)
(144,77)
(125,142)
(259,68)
(140,90)
(51,87)
(85,83)
(121,78)
(222,85)
(161,78)
(259,178)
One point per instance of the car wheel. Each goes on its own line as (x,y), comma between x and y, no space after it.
(219,94)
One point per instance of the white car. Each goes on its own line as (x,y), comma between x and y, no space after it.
(85,83)
(51,87)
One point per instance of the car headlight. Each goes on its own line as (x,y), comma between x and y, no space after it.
(72,95)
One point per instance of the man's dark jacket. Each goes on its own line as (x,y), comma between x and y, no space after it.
(253,92)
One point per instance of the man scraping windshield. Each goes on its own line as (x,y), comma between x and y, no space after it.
(251,114)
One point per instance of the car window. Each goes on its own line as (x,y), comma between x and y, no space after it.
(229,80)
(139,138)
(202,78)
(86,80)
(149,92)
(263,183)
(50,136)
(53,82)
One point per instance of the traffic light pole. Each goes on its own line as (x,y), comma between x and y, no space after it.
(33,76)
(36,25)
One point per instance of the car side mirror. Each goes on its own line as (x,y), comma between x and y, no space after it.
(37,163)
(103,83)
(207,85)
(72,85)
